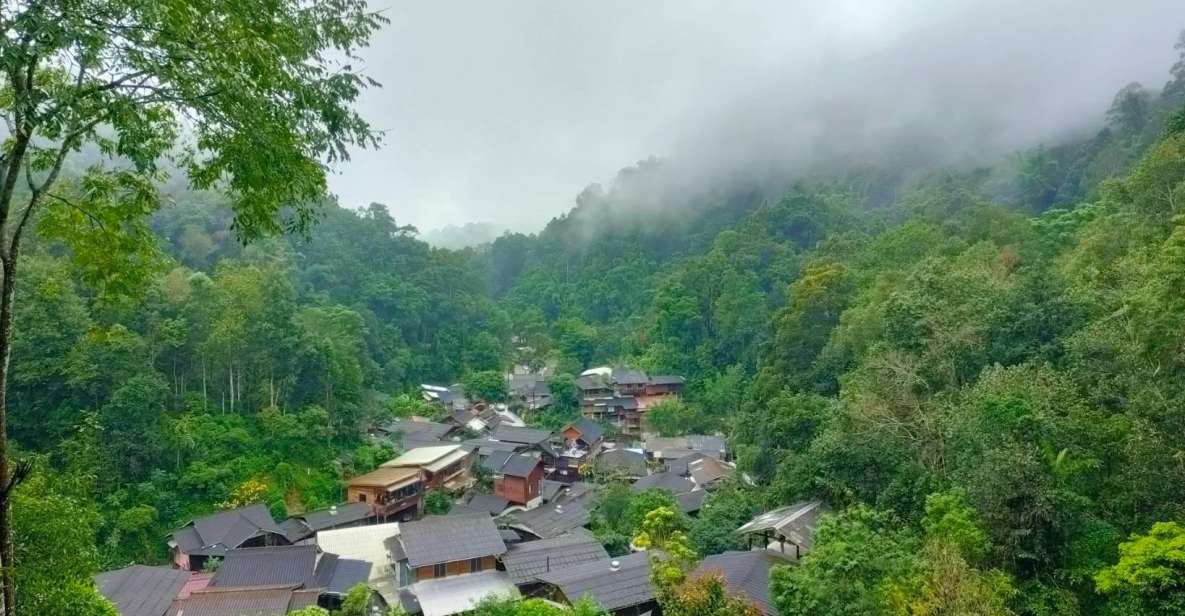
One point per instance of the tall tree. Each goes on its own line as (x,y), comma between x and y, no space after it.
(252,97)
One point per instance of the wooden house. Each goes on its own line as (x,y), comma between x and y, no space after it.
(445,467)
(393,493)
(213,535)
(519,480)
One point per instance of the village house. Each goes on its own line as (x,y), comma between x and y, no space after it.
(452,397)
(444,467)
(491,504)
(412,433)
(664,385)
(392,493)
(525,562)
(277,600)
(666,449)
(530,441)
(140,590)
(746,574)
(518,480)
(629,381)
(621,463)
(620,585)
(378,545)
(443,546)
(788,531)
(213,535)
(578,443)
(567,507)
(301,567)
(595,384)
(705,470)
(668,481)
(304,525)
(623,412)
(530,389)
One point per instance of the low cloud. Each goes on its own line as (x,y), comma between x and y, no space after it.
(503,111)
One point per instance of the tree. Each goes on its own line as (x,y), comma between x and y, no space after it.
(565,394)
(311,610)
(674,417)
(705,595)
(437,502)
(662,531)
(356,601)
(257,93)
(1150,575)
(55,541)
(486,386)
(856,555)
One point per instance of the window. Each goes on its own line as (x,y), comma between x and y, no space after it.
(439,570)
(474,565)
(362,498)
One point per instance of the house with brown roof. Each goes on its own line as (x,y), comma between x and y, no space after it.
(277,600)
(391,493)
(443,467)
(212,536)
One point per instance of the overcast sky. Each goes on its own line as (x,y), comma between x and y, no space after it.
(503,110)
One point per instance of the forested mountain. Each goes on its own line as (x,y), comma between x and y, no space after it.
(980,369)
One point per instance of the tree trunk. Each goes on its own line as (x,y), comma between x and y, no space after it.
(204,399)
(7,287)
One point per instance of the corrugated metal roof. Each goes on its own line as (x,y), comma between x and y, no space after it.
(213,534)
(293,565)
(488,503)
(440,539)
(558,517)
(347,574)
(386,476)
(590,431)
(461,593)
(259,601)
(746,573)
(691,502)
(377,544)
(664,481)
(526,561)
(515,434)
(629,376)
(613,588)
(631,463)
(519,466)
(422,456)
(141,590)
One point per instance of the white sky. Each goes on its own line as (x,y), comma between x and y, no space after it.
(503,110)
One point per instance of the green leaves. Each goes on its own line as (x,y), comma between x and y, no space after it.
(1150,571)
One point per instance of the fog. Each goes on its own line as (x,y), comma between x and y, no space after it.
(503,111)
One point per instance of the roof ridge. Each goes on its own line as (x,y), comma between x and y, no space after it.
(262,587)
